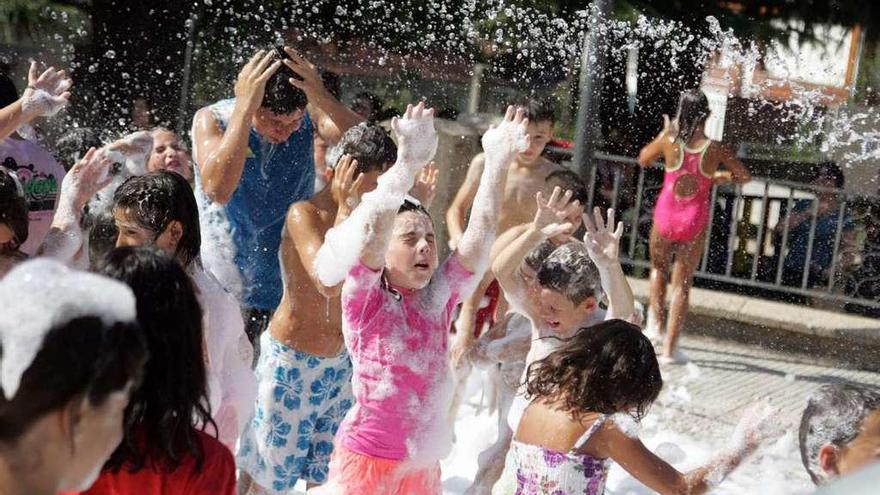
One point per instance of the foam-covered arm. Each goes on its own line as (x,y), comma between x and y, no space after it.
(365,234)
(501,145)
(66,236)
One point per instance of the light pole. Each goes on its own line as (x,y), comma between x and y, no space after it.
(592,71)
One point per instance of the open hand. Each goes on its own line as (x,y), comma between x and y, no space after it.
(508,138)
(310,81)
(425,188)
(250,87)
(87,176)
(346,183)
(46,93)
(416,136)
(670,128)
(551,215)
(603,244)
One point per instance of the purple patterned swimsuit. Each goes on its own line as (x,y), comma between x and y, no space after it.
(543,471)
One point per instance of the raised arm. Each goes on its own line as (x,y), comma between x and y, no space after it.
(658,475)
(304,231)
(501,145)
(456,215)
(220,155)
(65,239)
(660,145)
(46,94)
(365,234)
(603,246)
(549,222)
(319,97)
(734,169)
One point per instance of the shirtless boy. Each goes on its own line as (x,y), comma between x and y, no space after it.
(311,393)
(526,177)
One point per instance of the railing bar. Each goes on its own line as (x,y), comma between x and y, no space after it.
(806,273)
(591,186)
(759,245)
(711,222)
(837,237)
(616,188)
(782,245)
(731,242)
(635,227)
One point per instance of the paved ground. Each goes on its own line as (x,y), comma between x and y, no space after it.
(724,377)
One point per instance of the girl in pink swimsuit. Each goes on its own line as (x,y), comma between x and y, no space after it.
(692,164)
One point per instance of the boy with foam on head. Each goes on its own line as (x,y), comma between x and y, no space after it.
(569,280)
(397,306)
(303,349)
(527,175)
(840,431)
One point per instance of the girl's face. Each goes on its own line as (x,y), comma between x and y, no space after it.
(133,234)
(96,434)
(411,258)
(168,154)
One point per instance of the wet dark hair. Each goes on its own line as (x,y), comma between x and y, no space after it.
(537,110)
(693,110)
(102,237)
(831,171)
(413,206)
(567,181)
(366,99)
(834,415)
(370,145)
(8,91)
(172,398)
(13,209)
(539,254)
(570,271)
(70,147)
(81,357)
(281,97)
(608,368)
(155,199)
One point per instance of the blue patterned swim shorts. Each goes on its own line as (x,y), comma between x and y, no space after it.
(301,400)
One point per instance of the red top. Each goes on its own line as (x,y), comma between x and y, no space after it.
(216,477)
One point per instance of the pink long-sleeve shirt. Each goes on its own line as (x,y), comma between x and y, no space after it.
(398,341)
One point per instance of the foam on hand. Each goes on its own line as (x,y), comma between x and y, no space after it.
(42,294)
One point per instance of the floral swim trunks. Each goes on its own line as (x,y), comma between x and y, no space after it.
(301,399)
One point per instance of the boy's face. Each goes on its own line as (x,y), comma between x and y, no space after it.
(560,314)
(6,234)
(277,128)
(863,450)
(540,134)
(411,258)
(133,234)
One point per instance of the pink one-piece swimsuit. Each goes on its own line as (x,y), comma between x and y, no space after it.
(684,219)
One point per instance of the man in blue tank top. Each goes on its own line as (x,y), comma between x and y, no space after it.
(254,159)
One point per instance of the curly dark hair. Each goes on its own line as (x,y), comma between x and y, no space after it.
(172,400)
(607,368)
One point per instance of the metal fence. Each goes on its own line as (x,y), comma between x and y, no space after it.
(770,238)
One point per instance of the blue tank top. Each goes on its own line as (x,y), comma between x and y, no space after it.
(274,177)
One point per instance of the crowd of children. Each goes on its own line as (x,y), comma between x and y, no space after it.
(220,327)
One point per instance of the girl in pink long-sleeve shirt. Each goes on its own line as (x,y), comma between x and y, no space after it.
(397,306)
